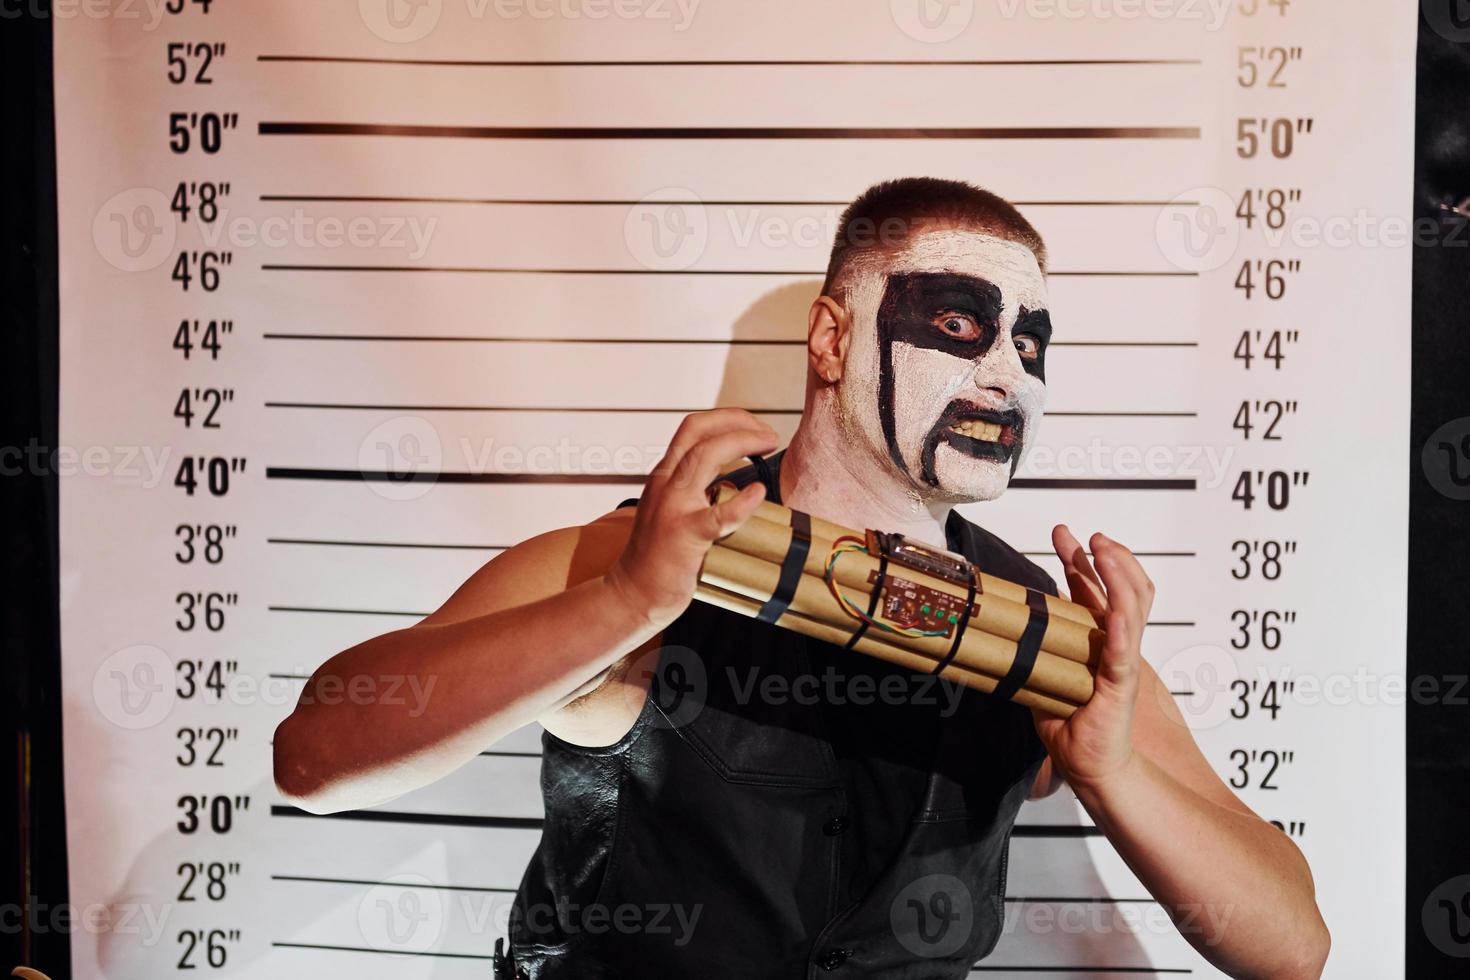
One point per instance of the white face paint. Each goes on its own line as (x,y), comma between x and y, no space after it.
(943,379)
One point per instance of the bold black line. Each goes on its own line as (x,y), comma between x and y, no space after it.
(731,62)
(378,476)
(978,968)
(436,819)
(394,544)
(1031,483)
(1140,554)
(1054,830)
(389,952)
(281,128)
(1122,415)
(309,879)
(1077,900)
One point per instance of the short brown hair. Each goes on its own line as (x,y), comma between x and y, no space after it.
(886,214)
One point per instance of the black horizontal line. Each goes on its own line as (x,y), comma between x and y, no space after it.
(726,132)
(345,612)
(1170,622)
(350,406)
(392,544)
(1068,899)
(378,476)
(361,881)
(1123,415)
(518,271)
(596,479)
(512,755)
(289,677)
(721,341)
(631,202)
(390,952)
(988,968)
(1028,483)
(613,410)
(1048,553)
(732,62)
(529,271)
(438,819)
(1054,830)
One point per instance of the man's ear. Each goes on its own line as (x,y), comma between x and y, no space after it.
(828,335)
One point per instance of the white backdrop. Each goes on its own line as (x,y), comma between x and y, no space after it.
(503,245)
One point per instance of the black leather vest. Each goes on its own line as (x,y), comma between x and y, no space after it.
(782,808)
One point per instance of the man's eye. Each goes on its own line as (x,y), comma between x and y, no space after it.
(958,325)
(1028,345)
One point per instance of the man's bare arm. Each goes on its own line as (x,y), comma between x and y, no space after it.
(527,634)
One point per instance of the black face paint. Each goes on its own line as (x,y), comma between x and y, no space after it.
(1038,324)
(911,302)
(1012,423)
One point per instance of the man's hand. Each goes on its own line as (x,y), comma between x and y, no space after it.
(1097,741)
(675,524)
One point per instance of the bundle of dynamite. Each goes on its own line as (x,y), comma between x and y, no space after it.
(904,602)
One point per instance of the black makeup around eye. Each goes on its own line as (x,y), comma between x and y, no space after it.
(912,301)
(1038,324)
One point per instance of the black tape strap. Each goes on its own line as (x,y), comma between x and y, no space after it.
(959,633)
(1026,647)
(791,568)
(857,634)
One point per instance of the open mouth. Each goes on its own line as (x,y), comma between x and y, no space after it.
(984,435)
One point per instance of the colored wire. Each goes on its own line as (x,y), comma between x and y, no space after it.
(851,608)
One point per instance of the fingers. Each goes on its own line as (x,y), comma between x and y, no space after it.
(697,427)
(1082,581)
(708,458)
(725,517)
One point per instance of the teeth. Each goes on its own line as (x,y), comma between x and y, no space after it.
(975,429)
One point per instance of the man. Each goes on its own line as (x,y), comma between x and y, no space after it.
(844,834)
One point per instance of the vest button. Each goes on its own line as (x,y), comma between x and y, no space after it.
(834,826)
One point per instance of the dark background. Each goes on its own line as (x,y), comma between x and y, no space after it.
(33,882)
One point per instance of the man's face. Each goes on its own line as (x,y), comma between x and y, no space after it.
(944,377)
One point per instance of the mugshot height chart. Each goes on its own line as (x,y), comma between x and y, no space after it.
(355,295)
